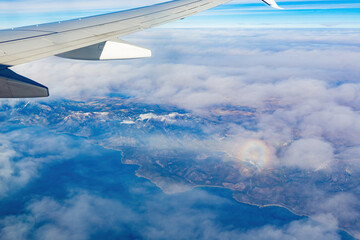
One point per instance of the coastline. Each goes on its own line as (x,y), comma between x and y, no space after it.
(243,202)
(123,161)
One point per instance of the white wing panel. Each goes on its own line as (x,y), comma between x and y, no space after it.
(123,50)
(111,50)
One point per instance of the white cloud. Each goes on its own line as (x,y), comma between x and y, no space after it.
(79,217)
(24,152)
(76,218)
(312,154)
(323,228)
(303,85)
(343,206)
(307,78)
(84,215)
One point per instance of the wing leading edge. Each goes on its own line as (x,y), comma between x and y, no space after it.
(25,44)
(90,38)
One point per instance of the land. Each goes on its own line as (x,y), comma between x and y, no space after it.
(174,150)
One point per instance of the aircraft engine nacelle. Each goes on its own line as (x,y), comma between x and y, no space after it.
(13,85)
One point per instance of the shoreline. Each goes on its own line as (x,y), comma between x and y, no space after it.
(243,202)
(222,187)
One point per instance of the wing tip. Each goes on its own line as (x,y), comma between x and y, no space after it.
(272,4)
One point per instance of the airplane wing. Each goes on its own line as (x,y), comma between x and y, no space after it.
(91,38)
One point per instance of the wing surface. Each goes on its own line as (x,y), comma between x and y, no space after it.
(25,44)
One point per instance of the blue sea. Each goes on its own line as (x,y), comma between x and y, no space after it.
(77,182)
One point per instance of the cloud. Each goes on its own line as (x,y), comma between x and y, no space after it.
(302,82)
(24,152)
(301,85)
(322,228)
(313,154)
(78,217)
(343,206)
(86,216)
(181,68)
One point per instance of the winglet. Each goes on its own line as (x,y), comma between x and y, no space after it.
(272,3)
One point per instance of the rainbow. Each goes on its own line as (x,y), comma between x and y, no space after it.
(256,153)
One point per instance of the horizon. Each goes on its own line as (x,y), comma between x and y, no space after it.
(243,14)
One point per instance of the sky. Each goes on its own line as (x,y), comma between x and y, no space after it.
(310,75)
(247,13)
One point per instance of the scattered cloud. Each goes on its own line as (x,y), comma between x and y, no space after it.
(86,216)
(26,151)
(322,228)
(313,154)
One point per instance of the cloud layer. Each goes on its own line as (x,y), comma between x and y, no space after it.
(302,84)
(306,81)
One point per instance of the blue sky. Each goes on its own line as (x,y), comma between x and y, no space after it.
(247,13)
(310,78)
